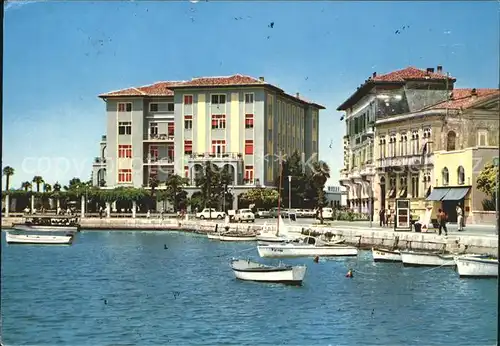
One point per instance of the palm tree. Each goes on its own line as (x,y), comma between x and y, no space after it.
(174,191)
(26,186)
(57,187)
(320,175)
(8,172)
(153,184)
(38,180)
(47,188)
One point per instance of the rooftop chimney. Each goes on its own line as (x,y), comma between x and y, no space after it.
(439,69)
(297,95)
(430,69)
(261,79)
(374,74)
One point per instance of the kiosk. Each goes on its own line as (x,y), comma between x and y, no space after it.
(402,220)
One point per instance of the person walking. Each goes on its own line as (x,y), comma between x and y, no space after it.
(460,218)
(442,218)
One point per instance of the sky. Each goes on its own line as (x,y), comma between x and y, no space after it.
(58,56)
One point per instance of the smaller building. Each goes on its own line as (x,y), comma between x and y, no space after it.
(336,196)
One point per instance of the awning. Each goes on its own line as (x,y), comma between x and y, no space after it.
(437,194)
(456,193)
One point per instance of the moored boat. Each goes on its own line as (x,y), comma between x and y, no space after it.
(477,266)
(386,255)
(254,271)
(237,237)
(308,247)
(282,234)
(12,238)
(53,223)
(213,236)
(429,259)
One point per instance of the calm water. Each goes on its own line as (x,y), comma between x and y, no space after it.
(187,294)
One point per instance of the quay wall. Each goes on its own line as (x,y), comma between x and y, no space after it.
(354,235)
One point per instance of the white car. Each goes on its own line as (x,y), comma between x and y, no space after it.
(244,215)
(210,213)
(262,213)
(327,214)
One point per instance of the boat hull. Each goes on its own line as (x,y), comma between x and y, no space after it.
(426,259)
(237,238)
(38,239)
(385,255)
(252,271)
(23,227)
(476,267)
(290,250)
(273,238)
(213,236)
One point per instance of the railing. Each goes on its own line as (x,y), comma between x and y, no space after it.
(209,156)
(160,137)
(407,160)
(159,161)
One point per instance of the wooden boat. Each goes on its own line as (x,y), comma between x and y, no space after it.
(233,236)
(60,223)
(477,266)
(254,271)
(12,238)
(386,255)
(308,247)
(430,259)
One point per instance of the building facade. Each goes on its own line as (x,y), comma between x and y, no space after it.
(336,196)
(238,123)
(395,123)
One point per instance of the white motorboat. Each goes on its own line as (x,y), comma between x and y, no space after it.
(213,236)
(253,271)
(430,259)
(11,238)
(282,234)
(386,255)
(308,247)
(478,266)
(52,223)
(237,237)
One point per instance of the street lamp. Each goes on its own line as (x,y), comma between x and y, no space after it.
(289,192)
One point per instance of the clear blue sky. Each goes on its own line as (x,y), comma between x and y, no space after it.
(59,56)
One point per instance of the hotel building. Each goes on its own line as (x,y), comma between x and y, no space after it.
(238,123)
(398,124)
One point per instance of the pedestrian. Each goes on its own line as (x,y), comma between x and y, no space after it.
(460,218)
(100,212)
(381,215)
(442,218)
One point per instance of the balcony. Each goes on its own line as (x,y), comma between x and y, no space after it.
(344,176)
(160,137)
(367,170)
(221,157)
(157,161)
(406,161)
(368,133)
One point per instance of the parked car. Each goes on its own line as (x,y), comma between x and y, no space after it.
(210,213)
(309,213)
(262,213)
(273,212)
(244,215)
(327,214)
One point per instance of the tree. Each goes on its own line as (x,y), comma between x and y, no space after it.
(57,187)
(38,180)
(261,197)
(8,172)
(26,186)
(47,188)
(293,167)
(174,192)
(212,183)
(487,180)
(320,175)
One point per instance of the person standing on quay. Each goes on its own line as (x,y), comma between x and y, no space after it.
(382,218)
(460,218)
(441,217)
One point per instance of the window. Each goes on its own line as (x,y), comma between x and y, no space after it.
(124,175)
(188,147)
(125,128)
(414,186)
(482,138)
(461,175)
(219,99)
(188,122)
(218,121)
(392,145)
(186,171)
(445,176)
(451,141)
(383,148)
(161,107)
(188,99)
(153,153)
(170,152)
(153,129)
(249,121)
(218,146)
(170,127)
(248,98)
(249,174)
(403,141)
(124,107)
(248,147)
(403,186)
(125,151)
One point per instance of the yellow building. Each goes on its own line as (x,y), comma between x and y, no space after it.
(433,156)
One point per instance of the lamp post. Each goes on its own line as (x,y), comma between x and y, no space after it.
(289,192)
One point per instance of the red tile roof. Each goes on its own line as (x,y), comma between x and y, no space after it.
(463,98)
(156,89)
(410,73)
(167,88)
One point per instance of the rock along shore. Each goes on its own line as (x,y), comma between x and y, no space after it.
(360,236)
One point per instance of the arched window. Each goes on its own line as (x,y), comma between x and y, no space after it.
(461,175)
(445,176)
(451,141)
